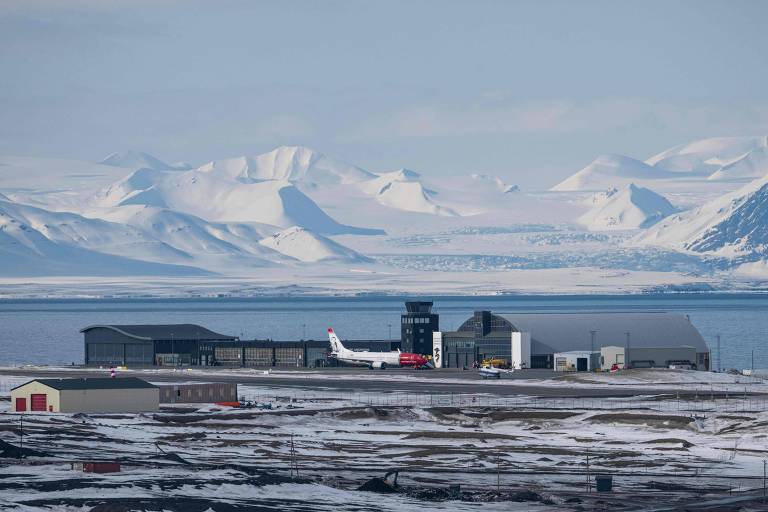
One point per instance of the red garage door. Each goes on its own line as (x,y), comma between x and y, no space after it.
(21,404)
(39,402)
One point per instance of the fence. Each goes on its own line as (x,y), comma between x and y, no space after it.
(698,405)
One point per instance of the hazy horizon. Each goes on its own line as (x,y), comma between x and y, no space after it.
(529,91)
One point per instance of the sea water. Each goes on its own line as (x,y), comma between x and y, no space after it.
(48,331)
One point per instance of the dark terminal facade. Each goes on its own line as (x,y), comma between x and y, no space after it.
(193,345)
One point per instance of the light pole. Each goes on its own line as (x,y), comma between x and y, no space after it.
(591,348)
(390,331)
(626,352)
(719,365)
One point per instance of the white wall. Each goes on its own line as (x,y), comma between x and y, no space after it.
(571,360)
(521,350)
(437,349)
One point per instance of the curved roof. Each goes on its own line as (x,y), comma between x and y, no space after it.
(562,332)
(163,332)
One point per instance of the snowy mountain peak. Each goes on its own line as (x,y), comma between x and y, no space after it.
(289,163)
(135,160)
(385,180)
(403,190)
(126,189)
(706,154)
(497,182)
(307,246)
(630,208)
(733,226)
(608,171)
(403,175)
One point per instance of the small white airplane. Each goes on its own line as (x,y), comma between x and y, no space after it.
(378,360)
(489,372)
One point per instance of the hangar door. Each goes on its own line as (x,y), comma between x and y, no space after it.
(39,402)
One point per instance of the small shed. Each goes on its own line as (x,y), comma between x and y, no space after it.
(99,395)
(576,361)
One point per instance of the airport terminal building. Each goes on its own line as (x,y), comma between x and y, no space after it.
(557,341)
(173,345)
(532,340)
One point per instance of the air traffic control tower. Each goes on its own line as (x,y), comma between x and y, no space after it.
(416,327)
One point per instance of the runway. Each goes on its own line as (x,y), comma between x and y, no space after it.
(444,381)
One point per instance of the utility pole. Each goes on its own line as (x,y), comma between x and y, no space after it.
(498,475)
(719,361)
(752,372)
(21,434)
(764,463)
(303,331)
(173,351)
(592,349)
(626,353)
(390,331)
(589,484)
(294,463)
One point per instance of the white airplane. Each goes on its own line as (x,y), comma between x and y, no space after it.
(379,360)
(490,372)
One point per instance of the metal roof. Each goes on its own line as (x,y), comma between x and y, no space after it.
(94,383)
(151,332)
(563,332)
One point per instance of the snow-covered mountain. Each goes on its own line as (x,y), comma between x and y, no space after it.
(135,160)
(750,165)
(139,181)
(215,194)
(290,212)
(403,190)
(732,226)
(496,182)
(295,164)
(210,244)
(35,242)
(715,159)
(93,234)
(314,174)
(707,156)
(306,246)
(147,240)
(629,208)
(608,171)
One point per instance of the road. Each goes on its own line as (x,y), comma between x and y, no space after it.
(363,380)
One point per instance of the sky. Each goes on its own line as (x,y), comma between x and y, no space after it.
(531,91)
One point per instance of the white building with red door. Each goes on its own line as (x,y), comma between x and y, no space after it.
(86,395)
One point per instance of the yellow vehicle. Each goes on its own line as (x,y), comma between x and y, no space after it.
(495,362)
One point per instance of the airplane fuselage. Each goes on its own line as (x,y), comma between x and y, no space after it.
(379,360)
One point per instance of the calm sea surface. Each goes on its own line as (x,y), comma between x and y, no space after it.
(47,331)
